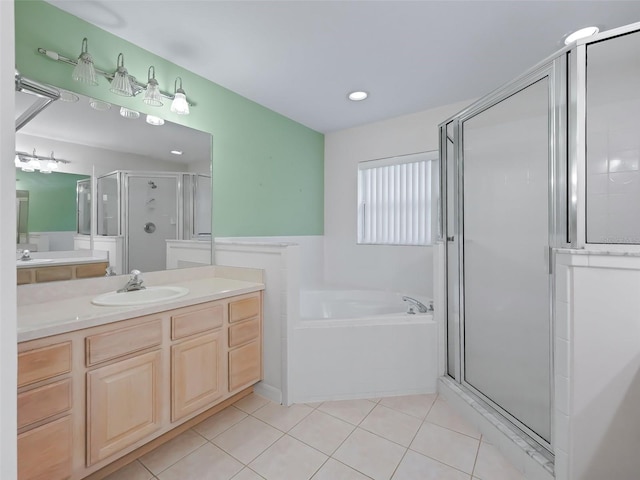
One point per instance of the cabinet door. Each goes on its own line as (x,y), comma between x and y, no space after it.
(244,366)
(123,404)
(44,453)
(196,377)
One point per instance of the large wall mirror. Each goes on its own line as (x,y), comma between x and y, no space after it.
(94,179)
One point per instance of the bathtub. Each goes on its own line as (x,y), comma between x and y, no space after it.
(361,344)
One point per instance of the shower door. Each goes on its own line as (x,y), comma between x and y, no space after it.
(152,218)
(505,210)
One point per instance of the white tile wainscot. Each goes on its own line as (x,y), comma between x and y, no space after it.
(597,346)
(281,265)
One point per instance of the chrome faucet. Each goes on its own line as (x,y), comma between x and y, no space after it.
(26,255)
(413,304)
(134,283)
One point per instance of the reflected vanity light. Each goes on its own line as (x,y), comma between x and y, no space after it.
(68,97)
(153,120)
(128,113)
(176,152)
(121,82)
(99,105)
(32,162)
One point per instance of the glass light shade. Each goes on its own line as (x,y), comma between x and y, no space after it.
(128,113)
(45,168)
(152,94)
(52,165)
(153,120)
(179,104)
(85,71)
(121,83)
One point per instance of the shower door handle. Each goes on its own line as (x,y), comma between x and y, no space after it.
(149,227)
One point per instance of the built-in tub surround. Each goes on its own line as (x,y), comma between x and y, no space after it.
(349,344)
(59,307)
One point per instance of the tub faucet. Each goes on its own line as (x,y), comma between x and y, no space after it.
(26,255)
(134,283)
(413,304)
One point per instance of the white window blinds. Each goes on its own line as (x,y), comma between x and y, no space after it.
(396,200)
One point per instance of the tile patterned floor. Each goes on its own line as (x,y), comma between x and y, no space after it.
(416,437)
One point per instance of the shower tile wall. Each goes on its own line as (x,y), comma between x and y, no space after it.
(613,144)
(597,374)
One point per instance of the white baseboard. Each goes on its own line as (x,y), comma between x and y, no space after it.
(267,391)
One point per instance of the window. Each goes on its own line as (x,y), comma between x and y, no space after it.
(397,199)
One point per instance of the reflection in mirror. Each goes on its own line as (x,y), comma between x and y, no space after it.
(128,223)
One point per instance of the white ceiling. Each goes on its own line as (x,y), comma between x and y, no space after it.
(80,124)
(301,58)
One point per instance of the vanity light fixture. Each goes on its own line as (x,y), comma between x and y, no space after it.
(153,120)
(128,113)
(176,152)
(84,70)
(121,82)
(358,96)
(179,104)
(580,34)
(33,162)
(152,93)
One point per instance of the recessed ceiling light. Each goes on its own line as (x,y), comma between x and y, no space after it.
(358,96)
(153,120)
(580,34)
(176,152)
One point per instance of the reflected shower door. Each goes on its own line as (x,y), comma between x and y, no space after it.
(152,218)
(506,278)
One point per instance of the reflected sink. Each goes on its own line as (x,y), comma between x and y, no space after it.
(140,297)
(33,261)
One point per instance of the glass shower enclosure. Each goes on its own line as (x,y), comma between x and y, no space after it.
(148,208)
(501,162)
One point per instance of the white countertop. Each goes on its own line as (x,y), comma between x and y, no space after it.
(53,317)
(50,262)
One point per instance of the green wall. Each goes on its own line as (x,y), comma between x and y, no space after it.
(52,200)
(268,171)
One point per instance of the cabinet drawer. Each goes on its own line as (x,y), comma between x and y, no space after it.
(24,276)
(244,365)
(196,320)
(243,332)
(91,270)
(42,363)
(44,453)
(53,274)
(107,346)
(43,402)
(245,308)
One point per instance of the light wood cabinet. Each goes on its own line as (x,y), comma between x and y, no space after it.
(90,397)
(245,345)
(57,273)
(44,453)
(196,374)
(123,404)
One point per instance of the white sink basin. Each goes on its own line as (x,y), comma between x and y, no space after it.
(33,261)
(140,297)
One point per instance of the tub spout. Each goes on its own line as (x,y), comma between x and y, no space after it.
(413,304)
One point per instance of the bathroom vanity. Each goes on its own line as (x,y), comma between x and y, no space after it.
(96,384)
(60,269)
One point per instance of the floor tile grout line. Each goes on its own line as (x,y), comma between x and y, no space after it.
(440,461)
(475,461)
(350,466)
(179,459)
